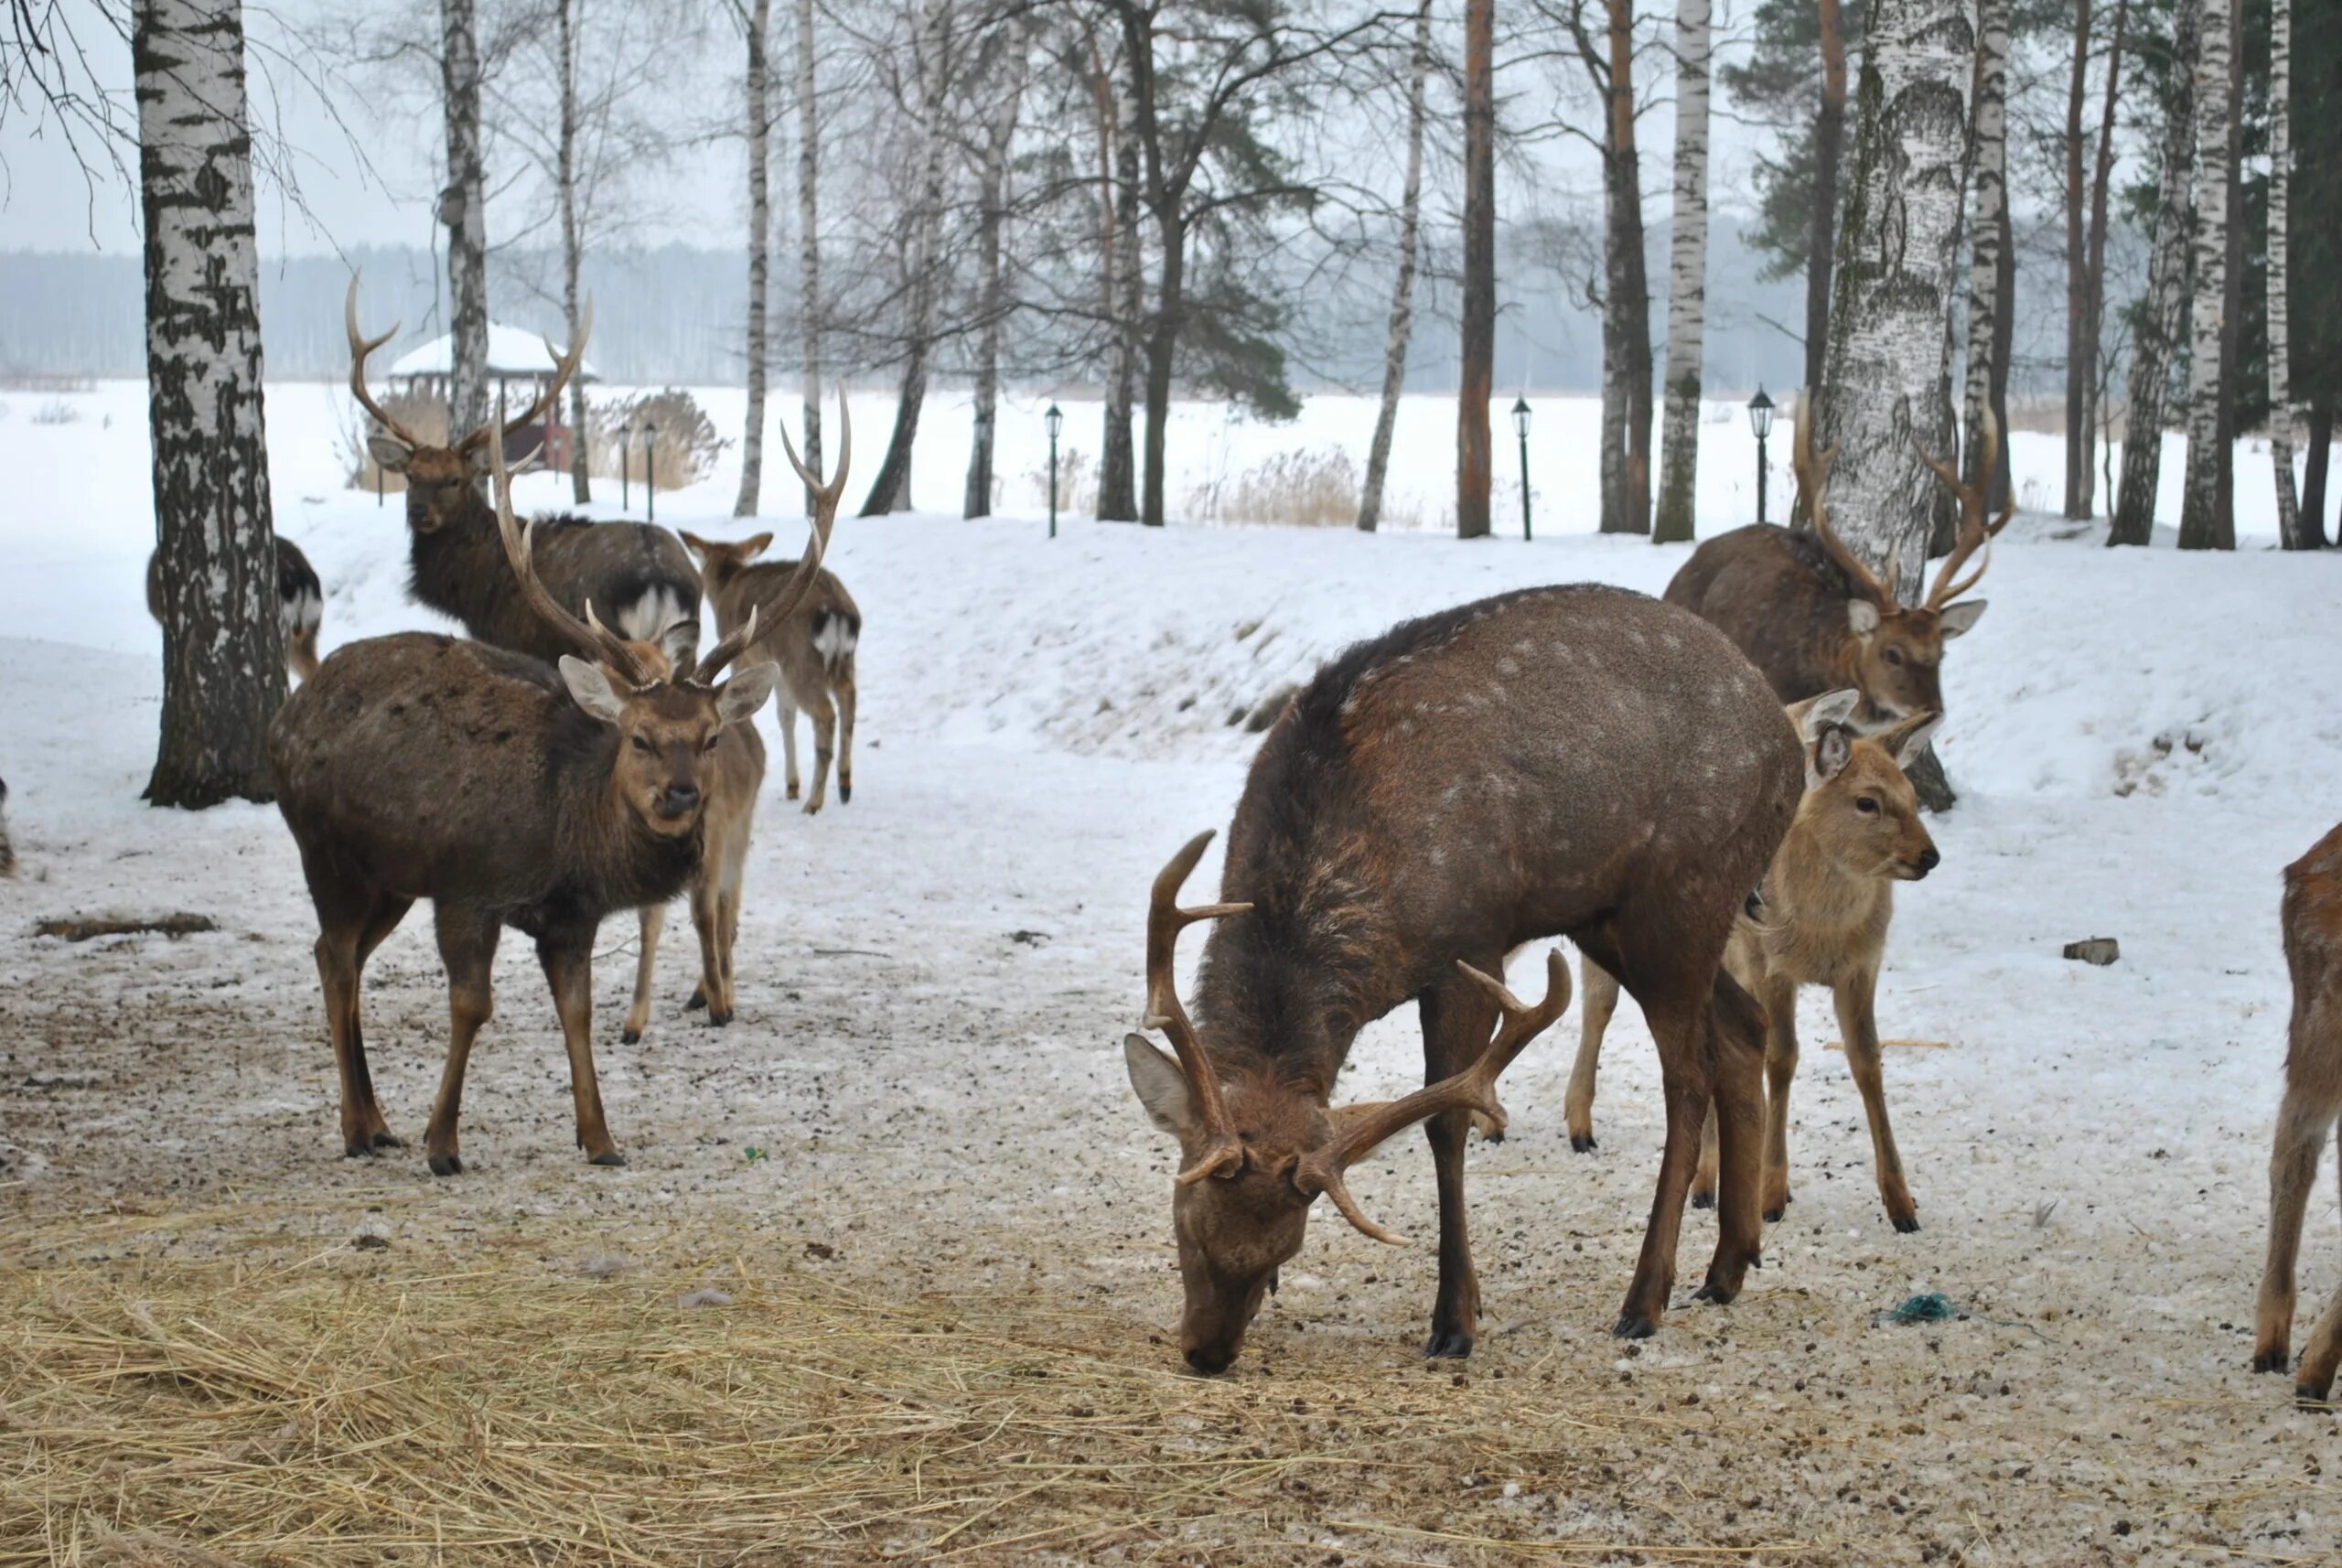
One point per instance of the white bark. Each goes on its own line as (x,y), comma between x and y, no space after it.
(572,235)
(758,347)
(2167,298)
(992,294)
(808,244)
(1987,182)
(1402,292)
(463,207)
(1898,270)
(1687,279)
(2281,412)
(2205,523)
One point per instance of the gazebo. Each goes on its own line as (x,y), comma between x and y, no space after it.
(518,366)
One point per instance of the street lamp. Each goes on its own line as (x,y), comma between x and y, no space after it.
(626,466)
(1760,420)
(1521,428)
(1055,420)
(649,471)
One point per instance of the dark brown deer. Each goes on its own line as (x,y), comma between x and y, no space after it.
(2311,920)
(1814,619)
(814,649)
(508,792)
(8,847)
(300,604)
(737,776)
(637,572)
(1828,900)
(1577,761)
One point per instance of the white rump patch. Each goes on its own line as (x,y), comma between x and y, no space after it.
(653,612)
(305,611)
(834,640)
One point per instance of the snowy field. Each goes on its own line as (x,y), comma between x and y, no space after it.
(924,1100)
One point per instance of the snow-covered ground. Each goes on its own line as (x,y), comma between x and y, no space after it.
(935,979)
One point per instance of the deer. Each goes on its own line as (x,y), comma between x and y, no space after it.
(1810,614)
(455,559)
(739,772)
(1577,761)
(1820,919)
(509,791)
(7,846)
(814,650)
(300,604)
(2311,919)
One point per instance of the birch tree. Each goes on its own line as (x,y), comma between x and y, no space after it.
(2280,411)
(223,659)
(1625,461)
(1828,155)
(758,347)
(1474,458)
(463,207)
(2164,306)
(1121,281)
(2094,265)
(2205,520)
(808,246)
(1402,291)
(1687,274)
(1001,75)
(933,51)
(1988,187)
(2086,217)
(573,242)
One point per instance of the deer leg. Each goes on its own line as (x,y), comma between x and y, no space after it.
(638,1016)
(707,919)
(1779,998)
(2303,1123)
(338,974)
(568,961)
(381,920)
(301,653)
(728,915)
(2314,1383)
(1734,1034)
(1858,1025)
(1685,1085)
(786,711)
(1703,1175)
(1458,1019)
(824,733)
(846,697)
(1597,999)
(467,947)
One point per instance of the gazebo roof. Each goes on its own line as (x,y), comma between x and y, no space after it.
(512,351)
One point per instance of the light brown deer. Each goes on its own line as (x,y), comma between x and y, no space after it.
(2312,922)
(508,792)
(1576,761)
(1814,619)
(737,780)
(814,649)
(1821,919)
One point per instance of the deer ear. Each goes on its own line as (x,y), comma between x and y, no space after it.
(390,454)
(745,693)
(680,643)
(590,686)
(1817,713)
(1906,740)
(755,544)
(1162,1087)
(1832,750)
(692,541)
(1959,617)
(1862,616)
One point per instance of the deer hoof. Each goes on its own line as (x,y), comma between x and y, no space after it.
(811,807)
(449,1163)
(1447,1345)
(359,1148)
(2273,1360)
(698,1001)
(388,1140)
(1704,1199)
(1908,1224)
(1774,1215)
(1582,1143)
(1633,1325)
(1722,1296)
(630,1037)
(845,791)
(2312,1397)
(717,1018)
(609,1158)
(792,792)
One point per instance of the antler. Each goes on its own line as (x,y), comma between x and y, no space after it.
(591,638)
(1165,920)
(360,347)
(1973,530)
(826,517)
(1812,476)
(563,366)
(1359,1128)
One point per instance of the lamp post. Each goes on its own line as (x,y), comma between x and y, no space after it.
(1760,420)
(1055,420)
(1521,428)
(650,472)
(626,466)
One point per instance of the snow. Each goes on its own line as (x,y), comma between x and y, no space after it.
(935,977)
(511,351)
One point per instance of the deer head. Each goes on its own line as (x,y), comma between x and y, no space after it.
(441,479)
(1859,810)
(1898,648)
(1257,1151)
(667,726)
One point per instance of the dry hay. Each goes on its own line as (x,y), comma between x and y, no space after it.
(364,1404)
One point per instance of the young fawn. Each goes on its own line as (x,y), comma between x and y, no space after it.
(2313,928)
(813,645)
(1823,920)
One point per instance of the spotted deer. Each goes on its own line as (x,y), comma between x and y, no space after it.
(638,573)
(1810,614)
(300,604)
(2311,919)
(1578,761)
(509,791)
(814,649)
(1821,919)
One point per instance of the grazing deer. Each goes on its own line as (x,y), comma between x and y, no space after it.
(456,560)
(814,650)
(1577,761)
(508,792)
(738,777)
(1822,920)
(2313,927)
(300,604)
(1814,619)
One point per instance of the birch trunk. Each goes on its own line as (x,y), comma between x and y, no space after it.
(1829,152)
(757,348)
(573,259)
(1626,320)
(1402,292)
(809,246)
(2204,523)
(1125,282)
(223,655)
(2078,443)
(1687,274)
(1988,185)
(2094,269)
(463,207)
(1474,458)
(2166,299)
(992,294)
(2281,413)
(932,75)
